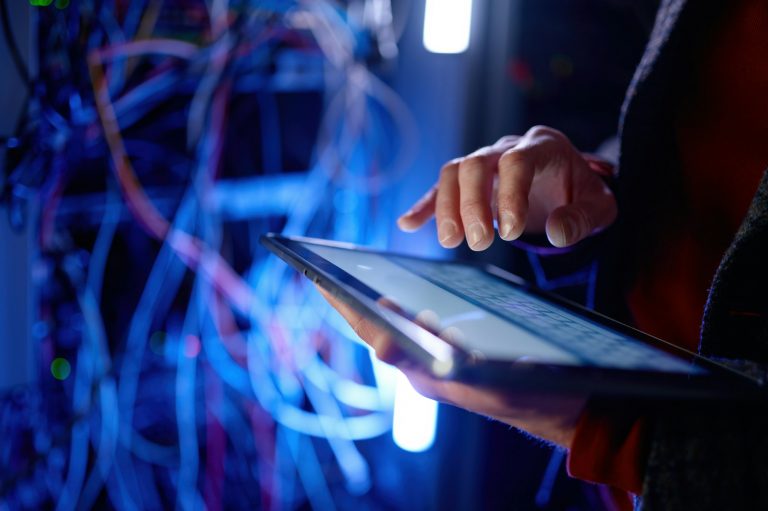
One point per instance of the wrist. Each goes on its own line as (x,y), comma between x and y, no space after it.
(549,418)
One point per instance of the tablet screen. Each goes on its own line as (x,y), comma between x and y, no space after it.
(493,318)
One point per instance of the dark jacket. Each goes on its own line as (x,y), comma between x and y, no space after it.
(713,457)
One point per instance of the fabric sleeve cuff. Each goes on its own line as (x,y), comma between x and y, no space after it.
(610,447)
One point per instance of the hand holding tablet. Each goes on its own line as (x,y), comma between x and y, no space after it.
(504,334)
(550,416)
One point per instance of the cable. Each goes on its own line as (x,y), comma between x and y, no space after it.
(187,496)
(165,101)
(188,248)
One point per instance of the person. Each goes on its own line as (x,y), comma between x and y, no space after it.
(687,208)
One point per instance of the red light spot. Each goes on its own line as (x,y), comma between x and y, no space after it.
(191,346)
(520,73)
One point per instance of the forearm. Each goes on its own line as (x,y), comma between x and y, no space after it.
(555,422)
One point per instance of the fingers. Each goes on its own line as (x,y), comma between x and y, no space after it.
(573,222)
(464,201)
(460,202)
(542,184)
(377,338)
(475,178)
(363,328)
(516,172)
(592,208)
(420,212)
(450,231)
(540,151)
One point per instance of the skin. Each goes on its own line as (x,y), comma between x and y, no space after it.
(534,183)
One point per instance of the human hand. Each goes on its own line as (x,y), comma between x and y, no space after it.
(537,183)
(549,416)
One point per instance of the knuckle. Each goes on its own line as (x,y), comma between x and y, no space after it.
(507,139)
(445,203)
(507,199)
(472,204)
(546,133)
(512,158)
(471,162)
(539,129)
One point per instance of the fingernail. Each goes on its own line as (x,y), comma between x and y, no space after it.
(429,319)
(571,229)
(402,223)
(506,225)
(453,334)
(475,234)
(447,230)
(565,232)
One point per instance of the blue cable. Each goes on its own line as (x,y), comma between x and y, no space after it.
(187,496)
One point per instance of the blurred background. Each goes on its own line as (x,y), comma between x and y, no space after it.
(152,354)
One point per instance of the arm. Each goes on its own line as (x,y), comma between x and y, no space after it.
(707,458)
(551,417)
(535,183)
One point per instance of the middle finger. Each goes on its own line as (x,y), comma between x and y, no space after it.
(475,183)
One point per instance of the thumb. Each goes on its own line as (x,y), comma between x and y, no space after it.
(573,222)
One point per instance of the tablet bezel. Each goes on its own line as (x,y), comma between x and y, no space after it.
(446,360)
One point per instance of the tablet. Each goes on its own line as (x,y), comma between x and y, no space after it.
(480,324)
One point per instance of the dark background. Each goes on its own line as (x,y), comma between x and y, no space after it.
(564,64)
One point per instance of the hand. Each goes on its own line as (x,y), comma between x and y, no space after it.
(536,183)
(549,416)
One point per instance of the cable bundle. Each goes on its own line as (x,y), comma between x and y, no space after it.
(203,374)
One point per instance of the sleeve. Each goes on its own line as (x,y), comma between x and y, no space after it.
(610,446)
(679,457)
(708,458)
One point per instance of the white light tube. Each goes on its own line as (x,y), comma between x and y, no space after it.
(415,418)
(447,25)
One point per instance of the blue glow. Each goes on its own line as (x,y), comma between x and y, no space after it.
(415,418)
(447,25)
(184,390)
